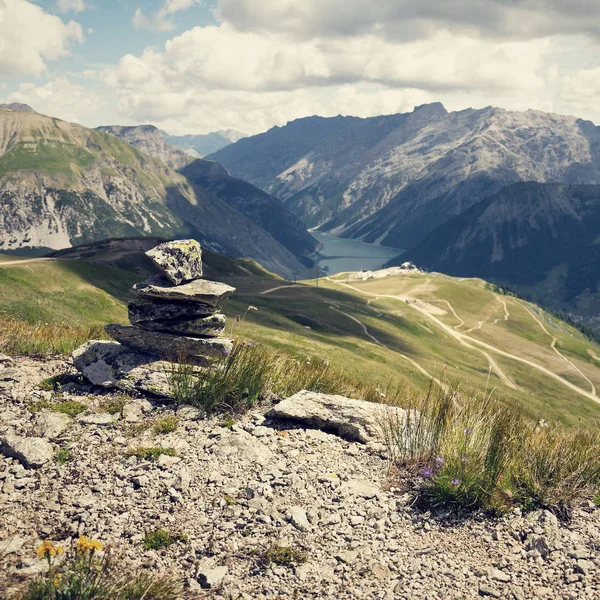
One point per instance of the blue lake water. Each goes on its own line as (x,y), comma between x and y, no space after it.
(340,254)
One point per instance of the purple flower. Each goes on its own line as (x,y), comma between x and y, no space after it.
(439,460)
(468,432)
(427,472)
(455,482)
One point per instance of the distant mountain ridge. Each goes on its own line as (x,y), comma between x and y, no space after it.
(199,145)
(17,106)
(394,179)
(62,184)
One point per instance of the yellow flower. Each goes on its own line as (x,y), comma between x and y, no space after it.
(84,544)
(57,579)
(48,550)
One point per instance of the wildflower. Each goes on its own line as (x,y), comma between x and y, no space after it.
(439,461)
(57,580)
(48,550)
(252,308)
(427,472)
(84,544)
(468,432)
(455,482)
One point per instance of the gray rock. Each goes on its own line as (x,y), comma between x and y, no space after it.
(31,452)
(5,359)
(498,575)
(380,571)
(11,545)
(490,592)
(98,419)
(348,557)
(145,309)
(171,347)
(133,412)
(354,420)
(210,578)
(206,292)
(297,517)
(180,260)
(211,326)
(360,488)
(52,425)
(112,365)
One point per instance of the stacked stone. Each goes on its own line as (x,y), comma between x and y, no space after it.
(176,315)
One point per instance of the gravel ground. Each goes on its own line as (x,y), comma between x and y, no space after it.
(235,492)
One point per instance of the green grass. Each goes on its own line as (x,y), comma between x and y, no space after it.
(161,538)
(284,556)
(165,425)
(71,408)
(150,453)
(63,456)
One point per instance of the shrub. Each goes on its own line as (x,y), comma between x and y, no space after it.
(165,425)
(150,453)
(115,404)
(84,575)
(63,455)
(22,338)
(161,538)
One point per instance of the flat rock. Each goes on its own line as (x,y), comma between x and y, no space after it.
(52,425)
(171,347)
(211,326)
(142,310)
(210,578)
(297,517)
(354,420)
(99,419)
(111,365)
(212,293)
(179,261)
(31,452)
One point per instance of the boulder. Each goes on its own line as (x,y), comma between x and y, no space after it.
(210,578)
(212,293)
(31,452)
(354,420)
(51,425)
(171,347)
(112,365)
(179,261)
(142,310)
(212,326)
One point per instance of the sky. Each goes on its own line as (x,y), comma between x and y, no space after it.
(195,66)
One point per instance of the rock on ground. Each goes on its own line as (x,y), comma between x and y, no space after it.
(211,326)
(30,451)
(179,261)
(144,310)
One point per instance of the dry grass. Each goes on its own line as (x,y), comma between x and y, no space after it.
(22,338)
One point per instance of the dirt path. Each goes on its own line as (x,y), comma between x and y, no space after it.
(506,313)
(27,261)
(462,337)
(379,343)
(281,287)
(553,346)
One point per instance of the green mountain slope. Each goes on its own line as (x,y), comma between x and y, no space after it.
(62,184)
(406,328)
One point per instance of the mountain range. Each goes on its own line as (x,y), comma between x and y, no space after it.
(394,179)
(63,184)
(203,144)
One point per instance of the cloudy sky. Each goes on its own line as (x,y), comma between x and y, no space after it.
(194,66)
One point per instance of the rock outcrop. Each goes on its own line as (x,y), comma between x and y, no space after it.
(175,320)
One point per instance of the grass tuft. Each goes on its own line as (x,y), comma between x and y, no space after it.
(161,538)
(284,556)
(150,453)
(165,425)
(70,407)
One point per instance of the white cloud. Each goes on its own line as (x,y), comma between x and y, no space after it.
(59,98)
(411,19)
(29,37)
(71,5)
(160,21)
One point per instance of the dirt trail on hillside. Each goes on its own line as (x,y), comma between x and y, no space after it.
(27,261)
(553,346)
(379,343)
(461,337)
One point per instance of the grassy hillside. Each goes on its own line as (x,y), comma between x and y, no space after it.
(398,330)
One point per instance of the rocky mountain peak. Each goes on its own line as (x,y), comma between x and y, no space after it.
(17,106)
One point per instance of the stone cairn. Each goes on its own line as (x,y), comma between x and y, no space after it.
(175,317)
